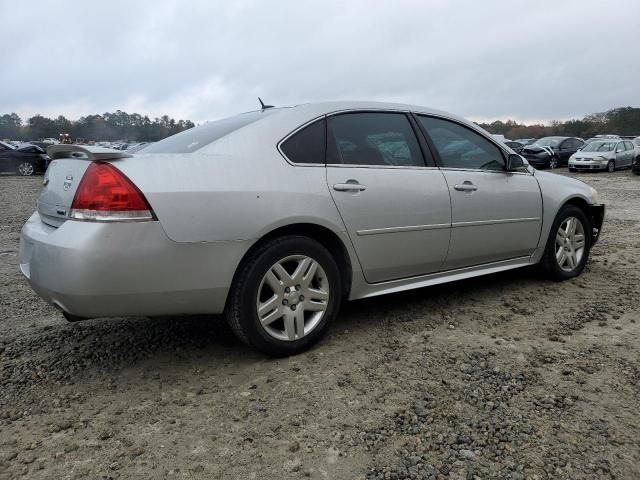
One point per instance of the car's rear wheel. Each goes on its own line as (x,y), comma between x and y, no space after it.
(285,295)
(553,162)
(568,245)
(26,169)
(611,166)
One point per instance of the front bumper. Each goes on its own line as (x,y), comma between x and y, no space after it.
(597,219)
(91,269)
(588,165)
(537,161)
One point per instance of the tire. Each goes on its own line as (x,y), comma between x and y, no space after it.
(611,166)
(556,265)
(553,162)
(572,169)
(26,169)
(251,290)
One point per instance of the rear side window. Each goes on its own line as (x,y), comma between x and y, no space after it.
(197,137)
(306,145)
(376,139)
(461,147)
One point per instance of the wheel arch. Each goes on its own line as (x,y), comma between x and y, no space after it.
(595,213)
(322,234)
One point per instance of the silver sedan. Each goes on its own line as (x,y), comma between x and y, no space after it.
(276,216)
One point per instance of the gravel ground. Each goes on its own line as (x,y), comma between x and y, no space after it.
(507,376)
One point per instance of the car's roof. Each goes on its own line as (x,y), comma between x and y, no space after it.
(336,106)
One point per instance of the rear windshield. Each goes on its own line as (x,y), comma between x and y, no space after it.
(197,137)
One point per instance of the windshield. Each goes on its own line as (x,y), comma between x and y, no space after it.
(547,142)
(197,137)
(600,147)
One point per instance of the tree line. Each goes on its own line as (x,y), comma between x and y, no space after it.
(617,121)
(118,125)
(134,127)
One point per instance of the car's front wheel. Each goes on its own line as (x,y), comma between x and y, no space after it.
(568,245)
(611,166)
(553,162)
(285,295)
(26,169)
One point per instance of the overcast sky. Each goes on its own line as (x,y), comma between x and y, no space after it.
(486,59)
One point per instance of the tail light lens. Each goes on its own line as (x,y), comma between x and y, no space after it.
(105,194)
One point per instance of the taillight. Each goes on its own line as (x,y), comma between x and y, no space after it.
(105,194)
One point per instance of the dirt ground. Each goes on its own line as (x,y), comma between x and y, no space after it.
(507,376)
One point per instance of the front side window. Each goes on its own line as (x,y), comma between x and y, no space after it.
(461,147)
(306,145)
(372,138)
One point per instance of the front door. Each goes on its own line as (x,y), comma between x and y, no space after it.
(496,215)
(395,206)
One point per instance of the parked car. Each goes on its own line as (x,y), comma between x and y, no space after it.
(525,141)
(26,160)
(604,155)
(136,147)
(275,216)
(598,138)
(41,144)
(513,145)
(551,152)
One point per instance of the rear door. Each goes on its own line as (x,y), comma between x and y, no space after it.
(496,215)
(394,204)
(630,152)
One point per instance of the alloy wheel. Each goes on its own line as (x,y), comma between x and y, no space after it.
(553,162)
(25,169)
(611,166)
(293,297)
(570,244)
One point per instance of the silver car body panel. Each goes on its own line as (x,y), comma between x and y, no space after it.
(214,204)
(401,207)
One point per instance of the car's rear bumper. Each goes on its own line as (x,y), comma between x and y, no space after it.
(90,269)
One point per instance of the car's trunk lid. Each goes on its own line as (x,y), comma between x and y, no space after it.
(61,180)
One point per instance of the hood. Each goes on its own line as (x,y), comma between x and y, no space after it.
(537,149)
(591,155)
(552,184)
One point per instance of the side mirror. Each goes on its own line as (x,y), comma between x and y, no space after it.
(514,162)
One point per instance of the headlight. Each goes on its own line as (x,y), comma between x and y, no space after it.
(595,196)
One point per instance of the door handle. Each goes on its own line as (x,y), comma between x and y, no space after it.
(349,186)
(466,187)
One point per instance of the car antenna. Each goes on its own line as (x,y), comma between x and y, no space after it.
(264,107)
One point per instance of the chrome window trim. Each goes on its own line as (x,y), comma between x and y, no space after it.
(393,167)
(479,170)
